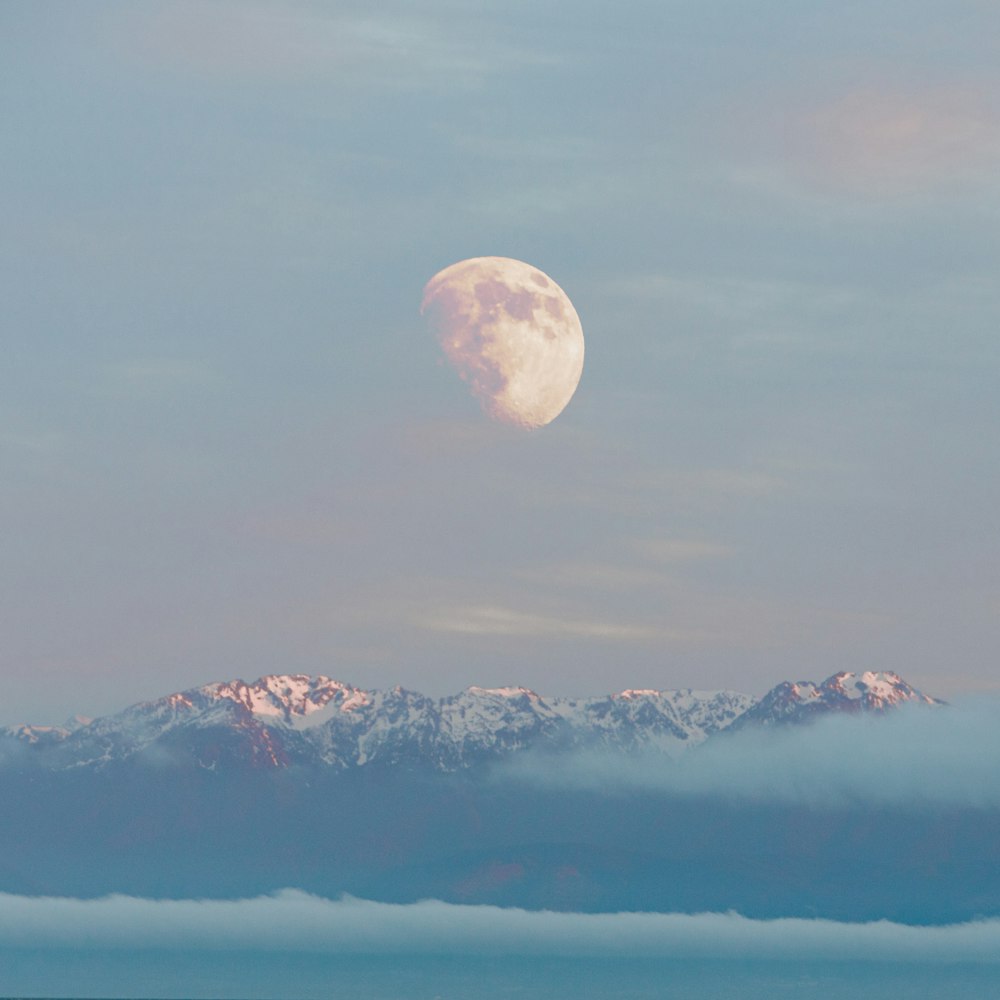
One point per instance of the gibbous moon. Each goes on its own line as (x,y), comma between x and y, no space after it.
(509,331)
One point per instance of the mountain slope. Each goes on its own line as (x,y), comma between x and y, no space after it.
(285,719)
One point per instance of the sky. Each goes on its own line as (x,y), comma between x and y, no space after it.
(229,447)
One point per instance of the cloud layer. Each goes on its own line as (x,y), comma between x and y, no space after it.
(912,758)
(293,921)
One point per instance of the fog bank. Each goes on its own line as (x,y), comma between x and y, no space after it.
(912,757)
(296,922)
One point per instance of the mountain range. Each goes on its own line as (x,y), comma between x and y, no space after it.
(234,789)
(293,719)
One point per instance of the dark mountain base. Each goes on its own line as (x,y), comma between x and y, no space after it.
(399,836)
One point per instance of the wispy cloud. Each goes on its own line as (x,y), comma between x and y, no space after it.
(296,923)
(269,42)
(884,140)
(503,621)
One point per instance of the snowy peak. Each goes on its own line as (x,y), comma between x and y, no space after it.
(289,697)
(800,701)
(502,692)
(876,691)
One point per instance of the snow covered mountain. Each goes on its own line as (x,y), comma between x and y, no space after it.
(801,701)
(233,790)
(281,720)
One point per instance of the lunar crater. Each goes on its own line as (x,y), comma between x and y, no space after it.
(511,333)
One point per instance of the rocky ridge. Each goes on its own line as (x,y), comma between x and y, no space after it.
(285,719)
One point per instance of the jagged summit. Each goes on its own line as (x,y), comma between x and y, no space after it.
(876,690)
(799,701)
(296,699)
(280,720)
(286,695)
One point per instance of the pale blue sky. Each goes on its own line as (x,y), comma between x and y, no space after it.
(227,446)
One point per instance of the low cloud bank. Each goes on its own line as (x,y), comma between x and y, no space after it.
(914,756)
(295,922)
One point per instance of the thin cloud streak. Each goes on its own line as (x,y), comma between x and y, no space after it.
(496,620)
(257,42)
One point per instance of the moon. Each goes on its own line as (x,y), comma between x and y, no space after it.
(511,333)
